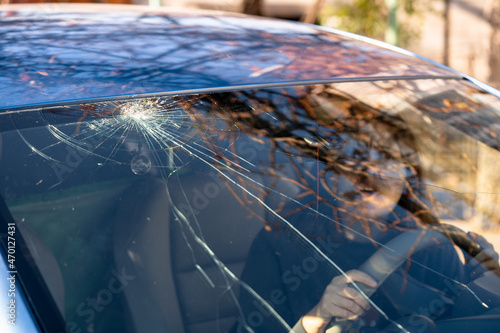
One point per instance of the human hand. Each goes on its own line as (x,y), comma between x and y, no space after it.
(488,257)
(339,300)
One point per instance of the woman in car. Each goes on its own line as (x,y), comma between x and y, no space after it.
(365,189)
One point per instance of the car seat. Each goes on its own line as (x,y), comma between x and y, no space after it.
(185,240)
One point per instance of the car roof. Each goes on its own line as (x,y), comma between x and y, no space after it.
(61,53)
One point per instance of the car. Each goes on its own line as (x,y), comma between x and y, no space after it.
(164,170)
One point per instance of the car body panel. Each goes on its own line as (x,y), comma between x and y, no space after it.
(50,56)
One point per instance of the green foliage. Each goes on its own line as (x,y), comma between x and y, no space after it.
(364,17)
(370,18)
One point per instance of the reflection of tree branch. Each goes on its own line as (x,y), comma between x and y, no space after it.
(294,114)
(288,121)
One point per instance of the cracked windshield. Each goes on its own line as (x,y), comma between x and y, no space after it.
(355,206)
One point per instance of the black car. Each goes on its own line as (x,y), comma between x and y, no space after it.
(173,171)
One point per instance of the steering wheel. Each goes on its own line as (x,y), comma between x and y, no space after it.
(394,253)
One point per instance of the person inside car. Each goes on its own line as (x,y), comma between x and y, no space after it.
(303,264)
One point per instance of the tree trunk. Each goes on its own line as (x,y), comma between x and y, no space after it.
(311,15)
(446,37)
(494,57)
(392,30)
(252,7)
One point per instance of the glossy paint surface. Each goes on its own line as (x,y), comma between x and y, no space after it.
(52,56)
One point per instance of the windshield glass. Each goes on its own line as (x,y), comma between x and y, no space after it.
(241,211)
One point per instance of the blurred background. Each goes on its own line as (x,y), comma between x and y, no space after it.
(463,34)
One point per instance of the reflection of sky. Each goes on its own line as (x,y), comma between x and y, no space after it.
(79,56)
(237,23)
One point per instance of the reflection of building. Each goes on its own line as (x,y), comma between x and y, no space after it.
(458,149)
(463,173)
(468,52)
